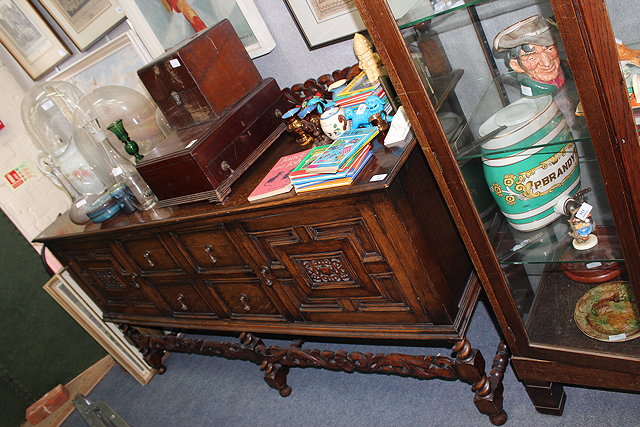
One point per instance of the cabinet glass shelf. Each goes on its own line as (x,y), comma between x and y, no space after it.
(423,11)
(502,91)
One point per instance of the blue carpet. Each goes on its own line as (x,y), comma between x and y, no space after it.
(210,391)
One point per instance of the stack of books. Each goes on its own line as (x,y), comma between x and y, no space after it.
(357,91)
(328,166)
(336,164)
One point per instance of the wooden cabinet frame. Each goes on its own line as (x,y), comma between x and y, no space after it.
(589,42)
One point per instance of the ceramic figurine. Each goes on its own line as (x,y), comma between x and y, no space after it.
(532,53)
(379,120)
(582,226)
(317,102)
(333,122)
(368,60)
(582,232)
(360,116)
(301,129)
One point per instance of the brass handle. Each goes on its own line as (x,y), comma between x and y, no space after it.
(176,97)
(183,306)
(264,271)
(134,281)
(147,256)
(245,302)
(225,166)
(208,249)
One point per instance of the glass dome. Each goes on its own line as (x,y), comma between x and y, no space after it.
(138,114)
(47,112)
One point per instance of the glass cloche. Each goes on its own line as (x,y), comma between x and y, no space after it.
(47,112)
(138,114)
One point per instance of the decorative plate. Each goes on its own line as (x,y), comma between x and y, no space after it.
(607,313)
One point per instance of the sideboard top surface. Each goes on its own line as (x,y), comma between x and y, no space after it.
(378,173)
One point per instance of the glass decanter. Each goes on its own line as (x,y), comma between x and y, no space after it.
(79,201)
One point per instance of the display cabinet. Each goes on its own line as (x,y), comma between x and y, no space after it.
(514,153)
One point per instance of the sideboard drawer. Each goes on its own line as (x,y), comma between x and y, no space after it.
(184,298)
(210,250)
(113,287)
(244,299)
(150,255)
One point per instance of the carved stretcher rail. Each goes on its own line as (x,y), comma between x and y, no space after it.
(275,361)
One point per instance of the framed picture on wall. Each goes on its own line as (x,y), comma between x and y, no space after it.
(323,22)
(115,63)
(29,39)
(161,28)
(84,21)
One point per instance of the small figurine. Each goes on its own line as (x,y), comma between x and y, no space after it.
(532,53)
(360,116)
(301,129)
(318,102)
(379,120)
(368,60)
(580,220)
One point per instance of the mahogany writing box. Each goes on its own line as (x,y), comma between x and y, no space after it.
(198,80)
(202,161)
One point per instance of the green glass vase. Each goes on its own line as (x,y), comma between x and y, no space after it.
(130,146)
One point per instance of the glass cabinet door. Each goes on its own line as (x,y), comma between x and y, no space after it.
(508,107)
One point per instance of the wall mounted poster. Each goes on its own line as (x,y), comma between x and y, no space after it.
(28,38)
(84,21)
(161,27)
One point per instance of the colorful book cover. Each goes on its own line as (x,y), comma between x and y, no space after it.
(338,182)
(360,98)
(342,150)
(359,84)
(344,171)
(277,179)
(300,170)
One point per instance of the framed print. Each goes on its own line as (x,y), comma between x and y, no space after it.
(323,22)
(28,38)
(115,63)
(84,21)
(161,28)
(75,301)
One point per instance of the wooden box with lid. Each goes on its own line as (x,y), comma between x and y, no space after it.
(198,80)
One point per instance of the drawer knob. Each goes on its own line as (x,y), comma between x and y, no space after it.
(176,97)
(245,302)
(134,281)
(183,306)
(264,271)
(147,256)
(225,166)
(208,249)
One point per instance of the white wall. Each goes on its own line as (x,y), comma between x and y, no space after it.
(291,61)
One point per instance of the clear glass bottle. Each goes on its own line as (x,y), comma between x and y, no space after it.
(79,201)
(122,170)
